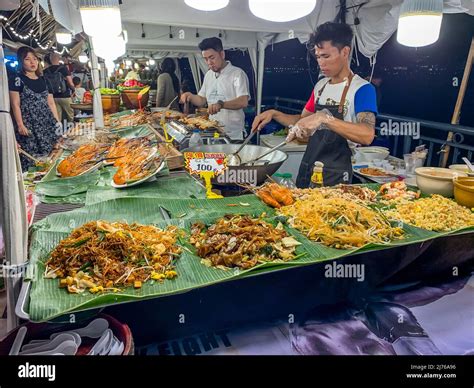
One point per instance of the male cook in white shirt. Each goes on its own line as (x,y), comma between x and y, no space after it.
(225,89)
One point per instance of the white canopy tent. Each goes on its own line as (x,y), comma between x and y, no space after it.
(240,29)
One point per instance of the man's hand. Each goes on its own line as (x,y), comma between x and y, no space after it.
(214,109)
(23,130)
(262,119)
(306,127)
(185,97)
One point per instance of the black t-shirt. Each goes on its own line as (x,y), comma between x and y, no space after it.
(17,81)
(65,72)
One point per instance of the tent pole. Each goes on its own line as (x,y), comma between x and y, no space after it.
(97,103)
(260,72)
(12,201)
(457,109)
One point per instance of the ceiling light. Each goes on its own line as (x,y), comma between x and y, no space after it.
(419,23)
(63,36)
(95,13)
(83,58)
(207,5)
(281,10)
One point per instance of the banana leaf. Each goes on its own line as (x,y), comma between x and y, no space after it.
(182,186)
(48,301)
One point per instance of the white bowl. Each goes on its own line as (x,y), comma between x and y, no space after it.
(436,180)
(369,154)
(459,167)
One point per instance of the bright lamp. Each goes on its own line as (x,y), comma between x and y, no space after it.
(63,37)
(95,13)
(281,10)
(83,58)
(207,5)
(109,48)
(419,23)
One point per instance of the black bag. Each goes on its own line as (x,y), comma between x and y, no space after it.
(57,81)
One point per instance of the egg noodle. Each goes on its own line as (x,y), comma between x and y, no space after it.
(339,222)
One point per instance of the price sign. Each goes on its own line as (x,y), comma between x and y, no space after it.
(199,162)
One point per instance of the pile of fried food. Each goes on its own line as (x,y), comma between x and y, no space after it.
(397,192)
(157,117)
(135,159)
(82,160)
(200,122)
(275,195)
(373,171)
(435,213)
(102,256)
(338,222)
(137,118)
(242,241)
(349,192)
(81,135)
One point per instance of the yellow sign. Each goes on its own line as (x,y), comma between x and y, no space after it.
(144,91)
(207,166)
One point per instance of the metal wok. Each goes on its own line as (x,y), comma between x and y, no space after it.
(255,174)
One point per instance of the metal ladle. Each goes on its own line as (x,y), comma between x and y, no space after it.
(234,158)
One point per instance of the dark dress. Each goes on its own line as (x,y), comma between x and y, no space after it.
(37,117)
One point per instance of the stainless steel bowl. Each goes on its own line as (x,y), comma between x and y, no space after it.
(256,174)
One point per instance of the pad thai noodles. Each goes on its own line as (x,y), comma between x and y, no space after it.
(102,256)
(339,222)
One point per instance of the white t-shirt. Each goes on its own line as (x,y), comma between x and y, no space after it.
(361,97)
(78,95)
(229,84)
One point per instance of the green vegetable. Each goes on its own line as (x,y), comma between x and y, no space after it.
(281,132)
(107,91)
(78,243)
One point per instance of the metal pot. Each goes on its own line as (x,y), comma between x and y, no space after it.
(235,175)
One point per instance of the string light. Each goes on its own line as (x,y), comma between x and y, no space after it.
(30,35)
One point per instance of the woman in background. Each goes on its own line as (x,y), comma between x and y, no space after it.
(168,85)
(33,108)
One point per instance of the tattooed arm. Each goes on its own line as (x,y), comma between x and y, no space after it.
(362,132)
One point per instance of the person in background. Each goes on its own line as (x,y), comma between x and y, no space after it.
(167,85)
(142,72)
(132,74)
(186,86)
(68,63)
(78,95)
(225,90)
(60,82)
(341,110)
(34,111)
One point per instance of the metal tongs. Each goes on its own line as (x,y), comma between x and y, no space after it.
(273,149)
(234,159)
